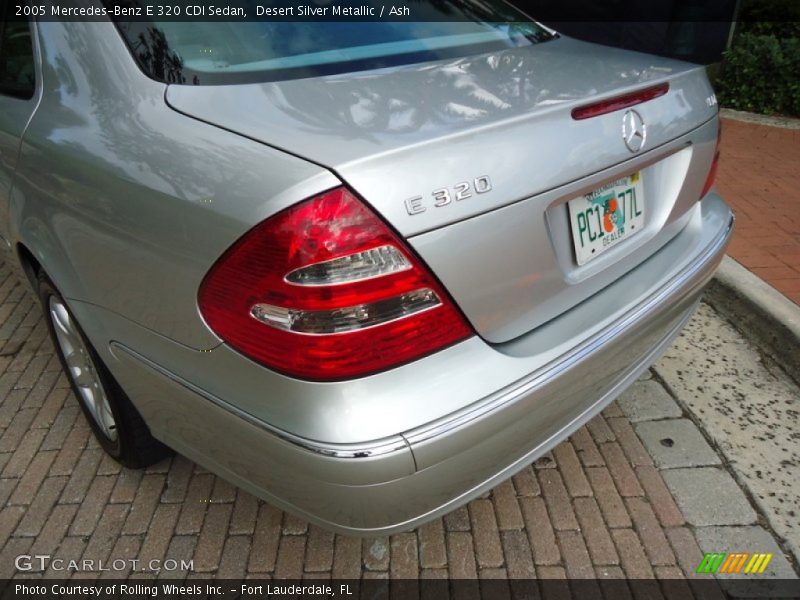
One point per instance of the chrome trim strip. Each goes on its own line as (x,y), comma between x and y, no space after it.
(366,450)
(554,370)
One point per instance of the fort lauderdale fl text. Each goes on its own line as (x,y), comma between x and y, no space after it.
(181,591)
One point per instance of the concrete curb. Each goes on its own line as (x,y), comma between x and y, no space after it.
(757,309)
(747,117)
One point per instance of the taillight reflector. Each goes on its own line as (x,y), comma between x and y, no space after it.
(619,102)
(324,290)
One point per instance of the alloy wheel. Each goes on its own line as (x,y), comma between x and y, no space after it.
(81,368)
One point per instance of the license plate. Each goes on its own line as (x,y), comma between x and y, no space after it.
(607,216)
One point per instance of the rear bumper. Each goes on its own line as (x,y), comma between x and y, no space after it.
(396,482)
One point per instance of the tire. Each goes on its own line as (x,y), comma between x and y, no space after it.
(117,425)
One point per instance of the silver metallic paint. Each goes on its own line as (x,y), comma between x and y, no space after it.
(411,396)
(519,131)
(511,282)
(127,203)
(395,133)
(458,457)
(15,116)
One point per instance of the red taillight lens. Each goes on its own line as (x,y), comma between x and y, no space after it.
(619,102)
(325,290)
(712,172)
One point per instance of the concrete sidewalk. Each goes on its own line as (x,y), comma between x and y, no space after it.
(759,176)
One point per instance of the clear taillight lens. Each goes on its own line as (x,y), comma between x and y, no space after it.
(325,290)
(366,264)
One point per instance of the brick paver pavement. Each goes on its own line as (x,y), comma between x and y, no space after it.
(759,176)
(595,507)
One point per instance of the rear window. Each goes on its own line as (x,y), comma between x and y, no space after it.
(214,53)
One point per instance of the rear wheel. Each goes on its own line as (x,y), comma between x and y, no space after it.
(116,423)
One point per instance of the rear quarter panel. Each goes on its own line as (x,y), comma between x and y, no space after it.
(126,203)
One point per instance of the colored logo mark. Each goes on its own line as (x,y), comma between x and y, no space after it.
(612,213)
(737,562)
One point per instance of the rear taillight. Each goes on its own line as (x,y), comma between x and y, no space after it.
(712,172)
(324,290)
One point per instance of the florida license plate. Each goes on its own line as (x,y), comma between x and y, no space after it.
(607,216)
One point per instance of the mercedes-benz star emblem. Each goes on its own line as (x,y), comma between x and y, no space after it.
(634,131)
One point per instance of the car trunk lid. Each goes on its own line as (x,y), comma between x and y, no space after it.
(489,135)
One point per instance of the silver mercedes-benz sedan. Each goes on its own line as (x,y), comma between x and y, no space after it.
(365,271)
